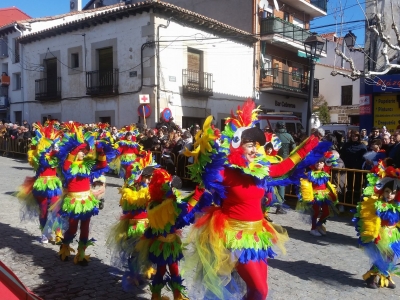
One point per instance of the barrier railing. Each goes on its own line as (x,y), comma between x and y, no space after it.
(349,182)
(13,146)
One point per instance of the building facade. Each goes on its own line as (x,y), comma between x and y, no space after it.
(94,68)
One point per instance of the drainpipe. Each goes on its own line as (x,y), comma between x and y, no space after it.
(158,69)
(21,61)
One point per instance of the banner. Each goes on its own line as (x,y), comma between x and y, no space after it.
(387,111)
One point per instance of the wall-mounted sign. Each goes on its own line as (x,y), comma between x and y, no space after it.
(284,104)
(387,111)
(365,104)
(387,84)
(133,74)
(144,98)
(172,78)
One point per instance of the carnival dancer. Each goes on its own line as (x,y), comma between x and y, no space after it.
(46,187)
(233,235)
(377,220)
(123,236)
(82,159)
(317,194)
(128,150)
(161,244)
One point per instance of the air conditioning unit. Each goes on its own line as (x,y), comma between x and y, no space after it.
(75,5)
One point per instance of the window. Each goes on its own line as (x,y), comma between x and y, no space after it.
(16,51)
(74,60)
(105,59)
(347,95)
(286,16)
(297,74)
(17,81)
(105,120)
(18,117)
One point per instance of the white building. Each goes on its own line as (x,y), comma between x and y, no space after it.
(342,94)
(205,67)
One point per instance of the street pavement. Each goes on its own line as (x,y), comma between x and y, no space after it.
(317,268)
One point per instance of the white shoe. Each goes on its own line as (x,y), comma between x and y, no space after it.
(315,232)
(44,239)
(321,229)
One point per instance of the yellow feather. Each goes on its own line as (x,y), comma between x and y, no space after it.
(306,190)
(371,223)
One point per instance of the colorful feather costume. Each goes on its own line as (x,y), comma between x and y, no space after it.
(123,236)
(377,221)
(125,163)
(161,244)
(44,189)
(316,194)
(233,234)
(79,204)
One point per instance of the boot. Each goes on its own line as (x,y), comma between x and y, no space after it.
(391,284)
(80,258)
(178,296)
(371,282)
(65,252)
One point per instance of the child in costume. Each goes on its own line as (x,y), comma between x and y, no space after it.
(46,187)
(135,197)
(317,194)
(161,244)
(377,220)
(82,159)
(128,150)
(233,236)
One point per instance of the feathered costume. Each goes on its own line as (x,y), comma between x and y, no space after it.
(377,222)
(317,194)
(233,234)
(39,192)
(161,244)
(78,204)
(123,236)
(124,164)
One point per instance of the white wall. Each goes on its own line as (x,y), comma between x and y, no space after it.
(330,86)
(229,62)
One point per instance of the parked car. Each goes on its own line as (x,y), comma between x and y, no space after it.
(342,128)
(292,123)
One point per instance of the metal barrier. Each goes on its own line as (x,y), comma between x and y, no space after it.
(349,185)
(14,146)
(349,182)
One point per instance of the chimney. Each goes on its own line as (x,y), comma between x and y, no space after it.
(75,5)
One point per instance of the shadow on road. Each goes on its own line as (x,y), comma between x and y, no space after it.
(60,280)
(23,168)
(331,237)
(317,272)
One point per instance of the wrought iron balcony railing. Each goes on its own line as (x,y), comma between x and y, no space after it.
(272,25)
(291,82)
(321,4)
(197,83)
(102,82)
(48,89)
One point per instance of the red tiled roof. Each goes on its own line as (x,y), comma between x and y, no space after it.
(11,14)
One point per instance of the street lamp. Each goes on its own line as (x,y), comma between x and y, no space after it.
(350,41)
(313,47)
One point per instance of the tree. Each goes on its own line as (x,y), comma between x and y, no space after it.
(320,107)
(382,55)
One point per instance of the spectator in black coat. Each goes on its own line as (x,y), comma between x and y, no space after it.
(353,151)
(151,142)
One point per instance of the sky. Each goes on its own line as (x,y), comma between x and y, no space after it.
(348,10)
(351,12)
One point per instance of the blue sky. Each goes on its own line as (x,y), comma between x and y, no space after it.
(350,11)
(40,8)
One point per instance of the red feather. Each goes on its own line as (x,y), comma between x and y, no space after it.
(236,157)
(247,110)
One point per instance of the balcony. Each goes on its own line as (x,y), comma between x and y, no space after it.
(102,83)
(197,83)
(321,4)
(48,89)
(286,83)
(314,8)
